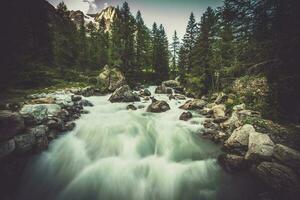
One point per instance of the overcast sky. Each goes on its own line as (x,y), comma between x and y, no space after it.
(173,14)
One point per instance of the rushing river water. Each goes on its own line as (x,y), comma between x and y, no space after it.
(118,154)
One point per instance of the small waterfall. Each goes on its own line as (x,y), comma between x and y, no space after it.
(116,154)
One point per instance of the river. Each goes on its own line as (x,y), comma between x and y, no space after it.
(115,154)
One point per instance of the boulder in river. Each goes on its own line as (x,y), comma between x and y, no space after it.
(171,83)
(162,89)
(7,147)
(260,147)
(110,79)
(278,177)
(24,142)
(239,139)
(232,163)
(158,106)
(219,111)
(193,104)
(186,116)
(124,94)
(131,107)
(39,112)
(221,98)
(145,93)
(10,124)
(287,156)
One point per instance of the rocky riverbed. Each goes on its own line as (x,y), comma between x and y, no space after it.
(250,144)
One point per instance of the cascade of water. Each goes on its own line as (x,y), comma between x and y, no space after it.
(116,153)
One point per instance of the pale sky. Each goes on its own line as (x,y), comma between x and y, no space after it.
(173,14)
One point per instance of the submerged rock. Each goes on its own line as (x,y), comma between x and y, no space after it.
(10,124)
(124,94)
(186,116)
(131,107)
(158,106)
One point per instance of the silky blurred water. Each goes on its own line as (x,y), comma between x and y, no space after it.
(115,153)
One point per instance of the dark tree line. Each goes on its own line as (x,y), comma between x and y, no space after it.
(230,39)
(42,40)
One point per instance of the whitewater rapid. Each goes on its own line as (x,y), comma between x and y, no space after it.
(115,153)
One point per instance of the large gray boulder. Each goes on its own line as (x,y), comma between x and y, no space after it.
(162,89)
(287,156)
(40,112)
(260,147)
(110,79)
(171,83)
(278,177)
(193,104)
(219,111)
(41,138)
(239,139)
(232,163)
(24,142)
(124,94)
(10,124)
(158,106)
(7,147)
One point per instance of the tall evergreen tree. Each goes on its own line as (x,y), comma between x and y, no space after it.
(174,50)
(142,45)
(189,41)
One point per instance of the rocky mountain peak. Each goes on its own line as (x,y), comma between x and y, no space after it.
(108,14)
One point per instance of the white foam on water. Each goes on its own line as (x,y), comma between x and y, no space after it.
(115,153)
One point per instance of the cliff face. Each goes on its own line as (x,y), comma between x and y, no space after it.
(108,15)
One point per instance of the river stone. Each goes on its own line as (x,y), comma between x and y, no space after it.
(287,156)
(179,96)
(221,98)
(145,93)
(171,83)
(239,139)
(158,106)
(10,124)
(239,107)
(162,89)
(76,98)
(40,133)
(278,177)
(186,116)
(7,147)
(232,163)
(260,147)
(193,104)
(219,111)
(131,107)
(110,79)
(124,94)
(45,100)
(40,112)
(24,142)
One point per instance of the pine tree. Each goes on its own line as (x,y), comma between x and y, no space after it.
(127,35)
(142,44)
(189,41)
(202,52)
(174,50)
